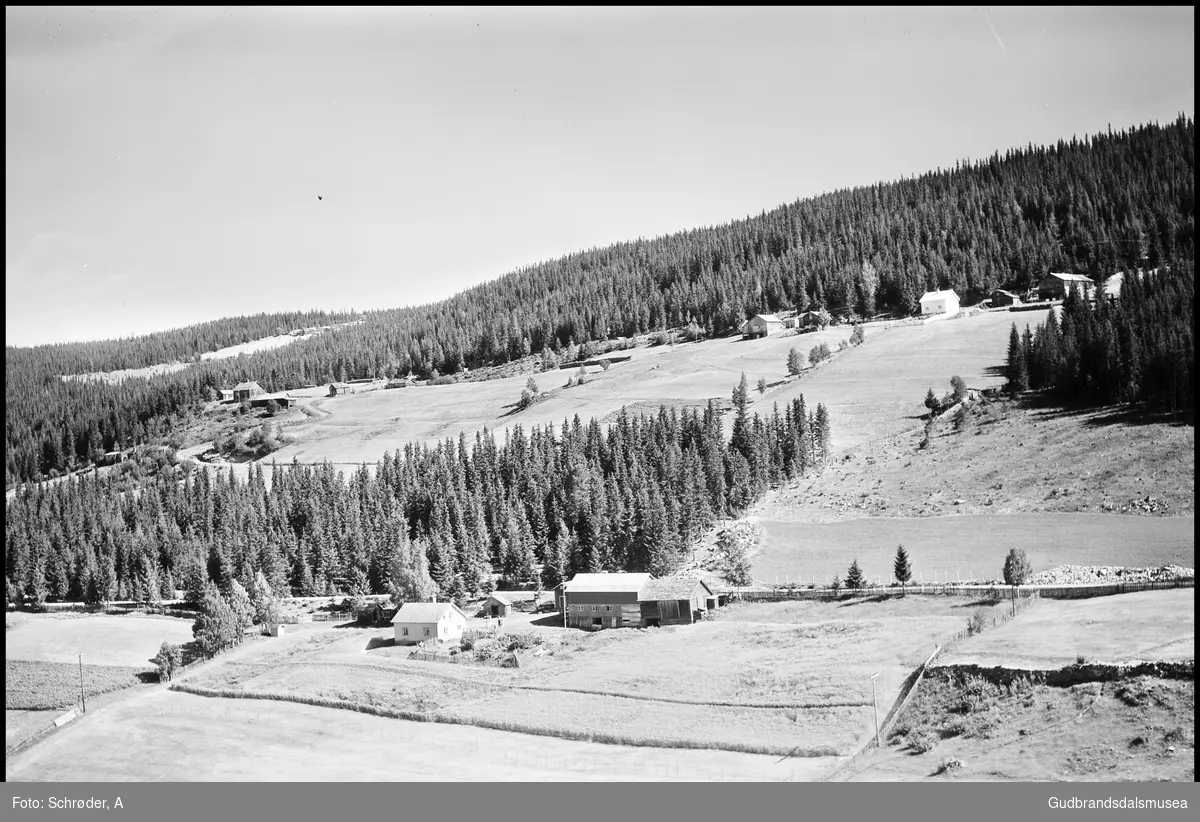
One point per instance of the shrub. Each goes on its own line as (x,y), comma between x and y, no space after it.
(921,742)
(469,640)
(857,335)
(843,345)
(522,640)
(977,622)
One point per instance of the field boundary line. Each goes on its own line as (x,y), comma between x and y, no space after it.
(511,727)
(778,706)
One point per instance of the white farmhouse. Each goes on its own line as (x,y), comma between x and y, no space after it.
(424,621)
(939,302)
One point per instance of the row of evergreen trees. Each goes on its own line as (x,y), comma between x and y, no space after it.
(539,506)
(1090,206)
(1139,348)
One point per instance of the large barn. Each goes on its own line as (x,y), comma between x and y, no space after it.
(247,390)
(428,621)
(1001,297)
(762,325)
(595,601)
(1057,286)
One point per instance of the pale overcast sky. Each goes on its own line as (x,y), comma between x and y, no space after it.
(163,166)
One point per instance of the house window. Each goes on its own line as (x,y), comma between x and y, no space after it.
(426,632)
(405,631)
(593,607)
(608,607)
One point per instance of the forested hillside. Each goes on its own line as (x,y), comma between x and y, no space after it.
(1093,206)
(1140,348)
(574,500)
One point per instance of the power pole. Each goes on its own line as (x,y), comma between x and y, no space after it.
(875,704)
(82,696)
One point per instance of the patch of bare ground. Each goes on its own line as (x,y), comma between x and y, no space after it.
(1004,457)
(967,729)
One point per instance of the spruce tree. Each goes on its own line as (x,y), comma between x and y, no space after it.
(901,568)
(854,576)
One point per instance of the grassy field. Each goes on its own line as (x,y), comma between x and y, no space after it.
(1139,730)
(40,686)
(871,390)
(169,736)
(777,676)
(1146,626)
(1008,458)
(130,640)
(970,545)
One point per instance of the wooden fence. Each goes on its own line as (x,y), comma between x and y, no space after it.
(988,591)
(460,659)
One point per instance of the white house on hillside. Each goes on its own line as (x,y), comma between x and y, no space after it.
(939,302)
(424,621)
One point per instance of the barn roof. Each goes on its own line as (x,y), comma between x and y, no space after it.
(770,318)
(425,611)
(503,600)
(623,583)
(671,588)
(1002,291)
(1071,278)
(938,295)
(247,386)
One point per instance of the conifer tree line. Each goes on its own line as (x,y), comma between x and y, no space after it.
(538,506)
(1091,206)
(1139,348)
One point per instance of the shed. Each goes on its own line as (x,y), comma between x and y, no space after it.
(939,302)
(497,605)
(761,325)
(424,621)
(370,614)
(596,601)
(336,388)
(246,390)
(1001,297)
(808,319)
(275,629)
(1056,286)
(675,601)
(226,395)
(283,400)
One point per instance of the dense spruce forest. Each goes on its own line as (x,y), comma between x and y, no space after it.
(634,498)
(1138,349)
(1122,199)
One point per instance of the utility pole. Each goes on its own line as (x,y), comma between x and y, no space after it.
(875,704)
(82,696)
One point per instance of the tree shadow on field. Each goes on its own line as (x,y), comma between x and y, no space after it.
(380,642)
(979,603)
(1102,416)
(851,600)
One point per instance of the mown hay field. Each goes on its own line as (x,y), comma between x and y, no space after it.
(41,686)
(1147,626)
(130,640)
(970,546)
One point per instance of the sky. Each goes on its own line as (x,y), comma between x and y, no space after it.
(169,166)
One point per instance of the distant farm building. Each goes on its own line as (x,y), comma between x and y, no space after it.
(1002,297)
(428,621)
(336,388)
(1057,286)
(498,606)
(789,322)
(596,601)
(226,395)
(808,319)
(939,302)
(761,325)
(111,458)
(282,400)
(675,601)
(247,390)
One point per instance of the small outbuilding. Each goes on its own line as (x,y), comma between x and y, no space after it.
(497,605)
(1001,297)
(675,601)
(939,302)
(428,621)
(282,400)
(275,629)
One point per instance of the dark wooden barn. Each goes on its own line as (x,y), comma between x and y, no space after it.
(675,601)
